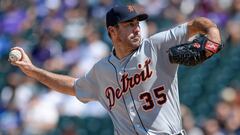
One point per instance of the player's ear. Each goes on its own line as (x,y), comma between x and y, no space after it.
(111,31)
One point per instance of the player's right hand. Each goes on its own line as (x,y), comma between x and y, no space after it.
(24,63)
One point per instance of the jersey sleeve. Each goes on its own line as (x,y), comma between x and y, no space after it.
(86,86)
(162,41)
(166,39)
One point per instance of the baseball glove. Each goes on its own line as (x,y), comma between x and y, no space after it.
(194,52)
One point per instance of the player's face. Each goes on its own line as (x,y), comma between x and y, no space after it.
(129,33)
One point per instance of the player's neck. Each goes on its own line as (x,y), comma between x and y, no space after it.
(122,51)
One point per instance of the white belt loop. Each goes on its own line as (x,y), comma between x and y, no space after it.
(182,132)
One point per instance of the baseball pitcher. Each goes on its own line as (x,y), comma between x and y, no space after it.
(137,83)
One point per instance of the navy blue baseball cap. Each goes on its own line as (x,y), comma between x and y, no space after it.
(121,13)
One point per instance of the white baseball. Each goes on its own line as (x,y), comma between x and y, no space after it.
(15,55)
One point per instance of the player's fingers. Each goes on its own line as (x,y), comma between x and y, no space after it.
(18,48)
(16,63)
(10,61)
(20,63)
(13,63)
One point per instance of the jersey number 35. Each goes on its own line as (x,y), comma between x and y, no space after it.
(148,98)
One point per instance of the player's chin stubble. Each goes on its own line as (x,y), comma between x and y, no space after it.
(135,40)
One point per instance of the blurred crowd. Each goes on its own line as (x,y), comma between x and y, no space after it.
(225,121)
(69,36)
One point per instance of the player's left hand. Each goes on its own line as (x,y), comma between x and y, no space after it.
(194,52)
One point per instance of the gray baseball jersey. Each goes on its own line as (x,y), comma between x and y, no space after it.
(139,91)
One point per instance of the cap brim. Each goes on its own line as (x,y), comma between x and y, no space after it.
(142,17)
(139,17)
